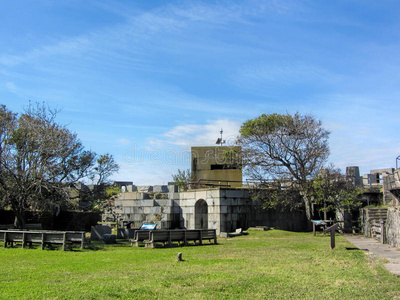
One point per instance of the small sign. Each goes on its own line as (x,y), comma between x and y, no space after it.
(148,227)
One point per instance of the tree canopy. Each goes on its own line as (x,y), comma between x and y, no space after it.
(182,179)
(331,191)
(39,159)
(284,146)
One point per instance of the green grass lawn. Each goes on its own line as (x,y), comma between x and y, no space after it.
(262,265)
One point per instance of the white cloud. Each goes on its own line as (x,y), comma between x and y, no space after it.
(204,134)
(124,142)
(163,155)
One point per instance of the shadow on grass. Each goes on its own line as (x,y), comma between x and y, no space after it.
(355,248)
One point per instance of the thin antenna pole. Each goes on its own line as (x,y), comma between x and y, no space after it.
(220,141)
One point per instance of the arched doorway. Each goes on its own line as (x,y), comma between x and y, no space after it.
(201,214)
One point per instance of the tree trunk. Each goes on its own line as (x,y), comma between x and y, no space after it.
(19,221)
(307,205)
(19,212)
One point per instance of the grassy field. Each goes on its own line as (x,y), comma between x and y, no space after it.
(262,265)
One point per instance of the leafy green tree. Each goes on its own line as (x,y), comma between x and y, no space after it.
(39,159)
(284,147)
(182,179)
(276,194)
(332,191)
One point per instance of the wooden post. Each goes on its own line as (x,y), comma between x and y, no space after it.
(43,244)
(383,232)
(23,240)
(169,239)
(313,227)
(83,240)
(64,246)
(332,230)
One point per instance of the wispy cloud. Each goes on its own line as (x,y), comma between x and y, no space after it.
(141,28)
(124,142)
(285,74)
(163,76)
(11,86)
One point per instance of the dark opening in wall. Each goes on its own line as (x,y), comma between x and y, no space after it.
(223,167)
(194,164)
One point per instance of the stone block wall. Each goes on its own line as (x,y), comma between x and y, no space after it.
(187,202)
(143,207)
(226,209)
(393,227)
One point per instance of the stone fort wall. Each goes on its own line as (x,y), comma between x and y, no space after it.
(223,209)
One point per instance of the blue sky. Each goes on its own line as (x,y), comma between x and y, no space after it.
(145,80)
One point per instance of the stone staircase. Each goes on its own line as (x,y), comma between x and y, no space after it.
(377,213)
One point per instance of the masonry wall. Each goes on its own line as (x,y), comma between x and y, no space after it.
(187,203)
(138,208)
(229,209)
(226,210)
(393,227)
(235,209)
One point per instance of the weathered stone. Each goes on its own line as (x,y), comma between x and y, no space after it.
(128,210)
(127,202)
(130,196)
(145,188)
(146,202)
(98,231)
(393,227)
(160,189)
(109,239)
(173,188)
(180,256)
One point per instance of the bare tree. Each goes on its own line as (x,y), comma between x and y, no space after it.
(105,167)
(39,158)
(290,147)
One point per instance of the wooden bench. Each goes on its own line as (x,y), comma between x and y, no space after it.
(64,238)
(6,226)
(208,234)
(177,236)
(139,237)
(181,237)
(192,235)
(158,236)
